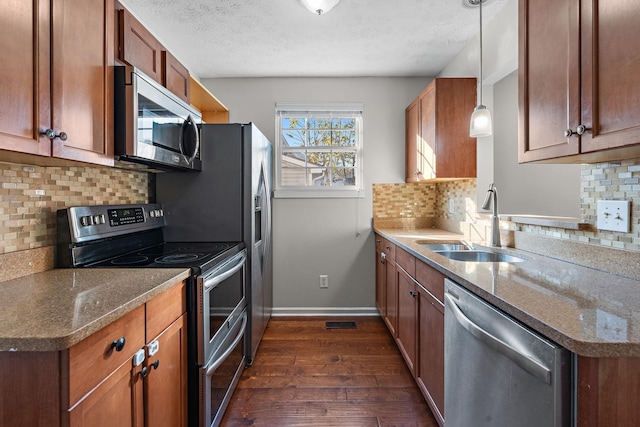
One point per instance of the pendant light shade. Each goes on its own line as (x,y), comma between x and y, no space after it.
(319,7)
(480,124)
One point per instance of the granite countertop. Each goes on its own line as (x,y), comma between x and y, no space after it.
(52,310)
(590,312)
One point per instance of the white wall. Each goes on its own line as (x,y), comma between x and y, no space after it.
(523,189)
(328,236)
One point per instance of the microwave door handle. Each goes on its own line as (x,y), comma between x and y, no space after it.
(189,125)
(217,278)
(530,365)
(215,365)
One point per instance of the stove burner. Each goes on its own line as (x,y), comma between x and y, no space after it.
(130,260)
(205,247)
(179,258)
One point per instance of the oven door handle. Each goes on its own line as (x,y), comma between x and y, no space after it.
(236,263)
(215,365)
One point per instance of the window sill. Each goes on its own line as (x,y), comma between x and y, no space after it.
(318,194)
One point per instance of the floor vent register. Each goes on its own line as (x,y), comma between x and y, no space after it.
(340,325)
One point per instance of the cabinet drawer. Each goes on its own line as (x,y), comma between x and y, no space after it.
(407,261)
(431,279)
(94,358)
(379,242)
(164,309)
(389,249)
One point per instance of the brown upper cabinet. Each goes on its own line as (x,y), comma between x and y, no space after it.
(138,47)
(438,145)
(579,85)
(56,89)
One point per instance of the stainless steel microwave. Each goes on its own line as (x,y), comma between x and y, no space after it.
(152,126)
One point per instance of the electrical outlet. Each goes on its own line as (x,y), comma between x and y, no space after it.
(324,281)
(613,215)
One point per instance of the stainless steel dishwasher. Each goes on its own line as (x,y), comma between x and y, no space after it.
(497,372)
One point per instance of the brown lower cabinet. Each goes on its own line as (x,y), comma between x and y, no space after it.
(417,290)
(607,387)
(95,383)
(386,289)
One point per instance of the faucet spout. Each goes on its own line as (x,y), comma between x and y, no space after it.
(492,199)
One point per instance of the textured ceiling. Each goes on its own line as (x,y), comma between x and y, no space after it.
(280,38)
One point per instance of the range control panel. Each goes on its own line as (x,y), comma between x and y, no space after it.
(95,222)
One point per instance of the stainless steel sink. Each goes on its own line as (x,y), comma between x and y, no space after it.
(479,256)
(444,245)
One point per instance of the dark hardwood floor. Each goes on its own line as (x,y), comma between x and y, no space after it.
(307,375)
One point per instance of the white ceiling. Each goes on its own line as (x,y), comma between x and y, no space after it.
(280,38)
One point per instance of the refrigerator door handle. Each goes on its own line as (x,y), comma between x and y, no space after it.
(530,365)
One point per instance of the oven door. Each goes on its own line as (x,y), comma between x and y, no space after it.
(218,379)
(220,302)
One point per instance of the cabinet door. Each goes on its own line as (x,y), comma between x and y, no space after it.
(175,76)
(407,318)
(166,385)
(24,76)
(549,78)
(413,167)
(82,79)
(381,278)
(430,369)
(118,401)
(427,147)
(391,295)
(138,47)
(610,76)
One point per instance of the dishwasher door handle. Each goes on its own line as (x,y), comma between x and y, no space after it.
(530,365)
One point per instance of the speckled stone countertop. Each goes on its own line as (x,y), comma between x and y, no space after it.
(590,312)
(55,309)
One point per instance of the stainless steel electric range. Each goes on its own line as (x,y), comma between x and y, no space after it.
(131,236)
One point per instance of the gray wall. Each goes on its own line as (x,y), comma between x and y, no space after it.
(534,189)
(327,236)
(523,189)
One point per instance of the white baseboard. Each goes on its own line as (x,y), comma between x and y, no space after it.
(324,311)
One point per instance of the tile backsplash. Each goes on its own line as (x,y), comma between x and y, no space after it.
(611,181)
(31,195)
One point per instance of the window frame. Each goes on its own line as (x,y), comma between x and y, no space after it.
(310,111)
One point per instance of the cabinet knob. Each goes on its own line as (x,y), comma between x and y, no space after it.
(52,134)
(580,130)
(383,258)
(413,293)
(118,344)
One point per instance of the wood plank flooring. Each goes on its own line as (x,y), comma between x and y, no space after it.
(309,376)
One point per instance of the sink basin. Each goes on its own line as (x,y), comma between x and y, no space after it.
(445,246)
(479,256)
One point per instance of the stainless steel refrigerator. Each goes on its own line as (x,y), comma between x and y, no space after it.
(228,201)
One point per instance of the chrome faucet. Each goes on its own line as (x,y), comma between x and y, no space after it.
(492,198)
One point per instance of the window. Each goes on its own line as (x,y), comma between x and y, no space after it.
(318,150)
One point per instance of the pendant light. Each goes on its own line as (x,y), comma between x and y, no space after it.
(480,124)
(319,7)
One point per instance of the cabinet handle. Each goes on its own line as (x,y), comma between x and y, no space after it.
(413,293)
(580,130)
(118,344)
(52,134)
(147,370)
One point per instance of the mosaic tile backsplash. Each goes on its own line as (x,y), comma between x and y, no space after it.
(610,181)
(31,195)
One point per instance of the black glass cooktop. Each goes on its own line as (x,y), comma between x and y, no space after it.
(174,254)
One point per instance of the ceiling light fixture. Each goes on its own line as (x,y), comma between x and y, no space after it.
(480,124)
(319,7)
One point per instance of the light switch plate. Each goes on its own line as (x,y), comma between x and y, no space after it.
(613,215)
